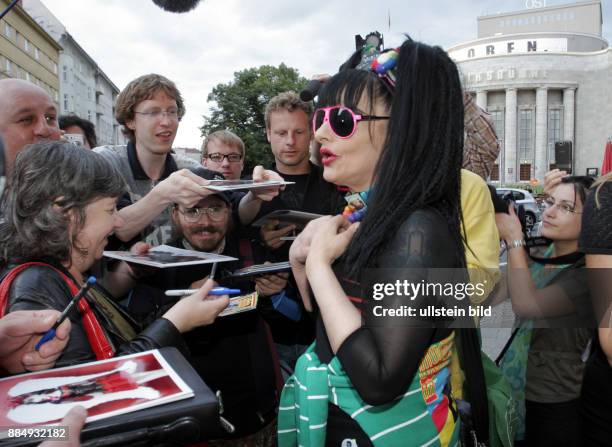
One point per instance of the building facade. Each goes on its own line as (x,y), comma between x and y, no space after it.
(27,51)
(545,75)
(85,90)
(191,152)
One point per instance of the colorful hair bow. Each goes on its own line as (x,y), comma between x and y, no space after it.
(384,66)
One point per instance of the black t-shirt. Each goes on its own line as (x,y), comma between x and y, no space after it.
(312,194)
(596,239)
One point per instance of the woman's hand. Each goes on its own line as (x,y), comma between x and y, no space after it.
(298,253)
(21,330)
(552,179)
(509,225)
(330,240)
(199,309)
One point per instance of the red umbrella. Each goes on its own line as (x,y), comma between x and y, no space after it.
(606,166)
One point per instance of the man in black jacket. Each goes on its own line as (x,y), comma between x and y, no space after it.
(235,354)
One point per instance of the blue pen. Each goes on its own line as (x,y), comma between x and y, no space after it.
(50,334)
(215,291)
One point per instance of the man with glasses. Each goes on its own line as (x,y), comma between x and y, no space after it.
(233,355)
(223,151)
(150,108)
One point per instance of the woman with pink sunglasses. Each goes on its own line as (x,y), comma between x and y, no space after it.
(393,134)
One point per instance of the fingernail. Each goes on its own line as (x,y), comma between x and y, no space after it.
(27,358)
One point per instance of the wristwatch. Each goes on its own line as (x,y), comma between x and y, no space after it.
(515,244)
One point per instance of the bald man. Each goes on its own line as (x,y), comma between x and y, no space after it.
(27,115)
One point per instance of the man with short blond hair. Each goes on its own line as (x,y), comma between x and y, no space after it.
(223,151)
(288,130)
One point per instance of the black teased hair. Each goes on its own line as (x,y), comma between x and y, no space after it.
(421,162)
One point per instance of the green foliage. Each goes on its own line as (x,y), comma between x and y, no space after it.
(239,106)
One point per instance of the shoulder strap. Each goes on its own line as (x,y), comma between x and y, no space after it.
(471,362)
(96,335)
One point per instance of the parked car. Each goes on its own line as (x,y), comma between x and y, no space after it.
(524,198)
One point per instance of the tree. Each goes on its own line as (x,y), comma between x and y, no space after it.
(240,105)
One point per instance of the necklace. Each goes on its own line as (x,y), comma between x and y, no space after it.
(357,206)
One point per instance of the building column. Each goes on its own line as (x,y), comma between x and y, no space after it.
(541,136)
(568,114)
(481,99)
(510,149)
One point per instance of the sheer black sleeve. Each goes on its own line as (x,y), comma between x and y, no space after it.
(382,357)
(596,239)
(596,234)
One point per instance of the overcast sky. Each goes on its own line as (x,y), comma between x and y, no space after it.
(199,49)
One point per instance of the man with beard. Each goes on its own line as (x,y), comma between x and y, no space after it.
(234,355)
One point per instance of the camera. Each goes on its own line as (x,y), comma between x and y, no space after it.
(502,204)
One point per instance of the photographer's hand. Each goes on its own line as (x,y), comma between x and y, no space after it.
(509,225)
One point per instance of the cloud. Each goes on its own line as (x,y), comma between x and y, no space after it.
(204,47)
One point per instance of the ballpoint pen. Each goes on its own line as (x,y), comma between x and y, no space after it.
(51,332)
(215,292)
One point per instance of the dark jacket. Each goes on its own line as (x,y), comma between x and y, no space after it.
(40,287)
(234,354)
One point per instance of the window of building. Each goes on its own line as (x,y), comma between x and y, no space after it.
(526,149)
(65,102)
(495,173)
(36,53)
(89,115)
(8,30)
(554,133)
(26,45)
(54,68)
(497,116)
(8,66)
(525,172)
(28,77)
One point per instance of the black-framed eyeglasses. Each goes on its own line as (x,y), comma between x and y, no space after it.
(218,158)
(193,215)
